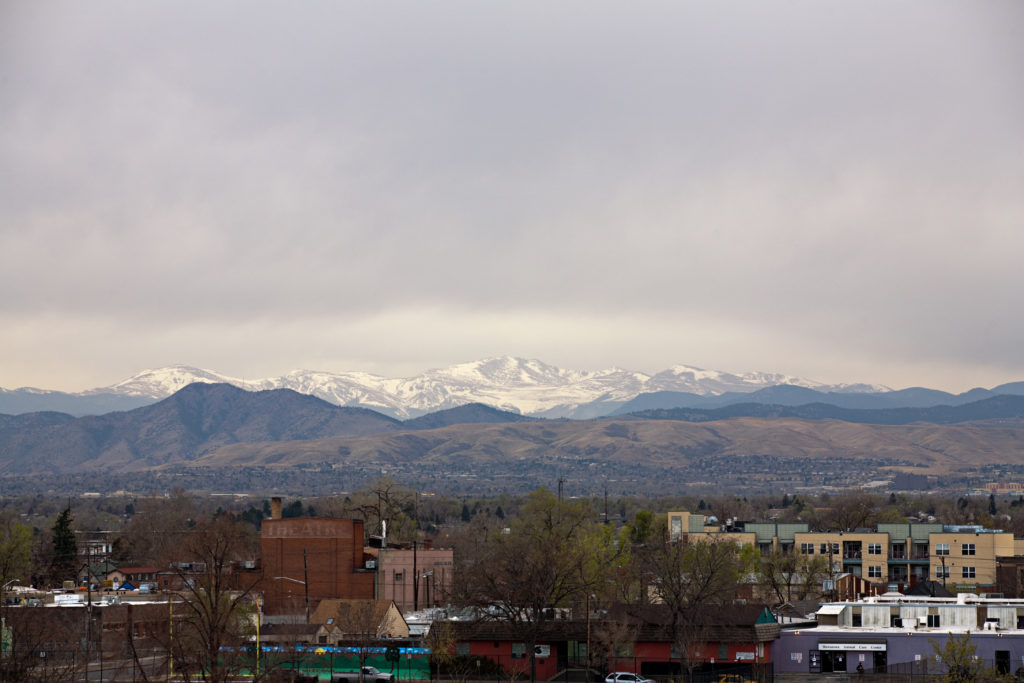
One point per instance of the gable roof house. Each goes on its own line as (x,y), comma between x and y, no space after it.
(342,622)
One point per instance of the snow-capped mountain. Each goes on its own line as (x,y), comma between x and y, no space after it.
(515,384)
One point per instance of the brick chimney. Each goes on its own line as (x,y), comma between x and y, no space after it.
(275,507)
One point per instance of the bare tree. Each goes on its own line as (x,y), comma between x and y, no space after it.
(852,510)
(546,561)
(384,503)
(216,608)
(157,526)
(789,576)
(359,625)
(608,637)
(692,578)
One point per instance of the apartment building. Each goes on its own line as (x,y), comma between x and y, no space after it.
(962,557)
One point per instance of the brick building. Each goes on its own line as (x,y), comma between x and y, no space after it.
(415,579)
(309,559)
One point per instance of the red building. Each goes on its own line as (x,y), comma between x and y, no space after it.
(730,639)
(309,559)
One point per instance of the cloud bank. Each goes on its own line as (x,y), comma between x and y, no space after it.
(823,189)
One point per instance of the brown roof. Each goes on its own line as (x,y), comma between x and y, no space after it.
(725,623)
(340,610)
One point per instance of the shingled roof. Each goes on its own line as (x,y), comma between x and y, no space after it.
(719,623)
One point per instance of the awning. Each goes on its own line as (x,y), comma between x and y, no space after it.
(831,609)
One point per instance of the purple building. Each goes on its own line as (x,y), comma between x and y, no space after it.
(898,634)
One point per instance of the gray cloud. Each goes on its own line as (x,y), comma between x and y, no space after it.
(823,188)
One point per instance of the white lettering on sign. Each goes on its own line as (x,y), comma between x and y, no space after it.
(852,647)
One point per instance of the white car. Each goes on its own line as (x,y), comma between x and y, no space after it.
(625,677)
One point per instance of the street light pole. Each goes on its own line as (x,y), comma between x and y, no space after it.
(304,583)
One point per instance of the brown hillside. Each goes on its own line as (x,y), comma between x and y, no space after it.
(660,444)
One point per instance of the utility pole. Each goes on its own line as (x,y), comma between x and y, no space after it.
(88,610)
(588,636)
(305,575)
(415,580)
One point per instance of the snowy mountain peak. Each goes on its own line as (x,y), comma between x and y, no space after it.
(523,385)
(162,382)
(507,371)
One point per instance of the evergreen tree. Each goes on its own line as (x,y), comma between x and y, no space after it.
(465,513)
(65,548)
(991,504)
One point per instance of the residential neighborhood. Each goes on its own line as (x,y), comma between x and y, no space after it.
(549,596)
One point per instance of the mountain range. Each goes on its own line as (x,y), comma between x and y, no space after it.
(525,386)
(221,427)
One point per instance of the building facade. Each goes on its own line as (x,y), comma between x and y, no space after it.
(962,557)
(899,634)
(415,579)
(309,559)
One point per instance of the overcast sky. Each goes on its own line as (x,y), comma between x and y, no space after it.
(833,190)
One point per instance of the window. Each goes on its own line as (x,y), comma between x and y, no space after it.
(967,572)
(807,548)
(942,549)
(874,572)
(967,549)
(677,527)
(825,548)
(874,548)
(942,572)
(934,621)
(518,650)
(462,649)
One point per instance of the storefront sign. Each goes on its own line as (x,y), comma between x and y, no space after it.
(852,647)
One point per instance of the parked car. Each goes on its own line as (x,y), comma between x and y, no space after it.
(370,675)
(625,677)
